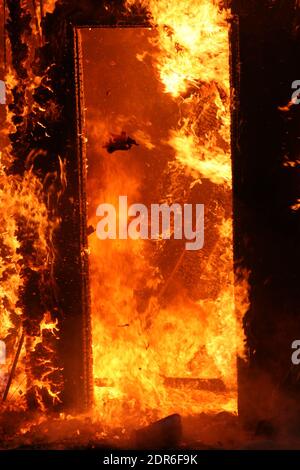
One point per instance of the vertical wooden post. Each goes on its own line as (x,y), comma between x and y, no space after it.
(14,366)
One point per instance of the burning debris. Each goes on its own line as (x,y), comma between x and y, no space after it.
(119,142)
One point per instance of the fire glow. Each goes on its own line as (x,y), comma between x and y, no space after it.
(141,224)
(162,329)
(166,321)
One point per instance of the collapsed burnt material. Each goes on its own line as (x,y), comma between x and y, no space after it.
(163,434)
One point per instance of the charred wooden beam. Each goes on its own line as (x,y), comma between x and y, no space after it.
(14,366)
(211,385)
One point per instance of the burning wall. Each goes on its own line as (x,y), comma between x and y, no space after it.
(27,253)
(34,111)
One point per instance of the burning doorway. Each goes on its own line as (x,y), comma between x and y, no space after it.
(157,123)
(44,141)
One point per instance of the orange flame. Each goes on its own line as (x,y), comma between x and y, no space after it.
(186,338)
(23,205)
